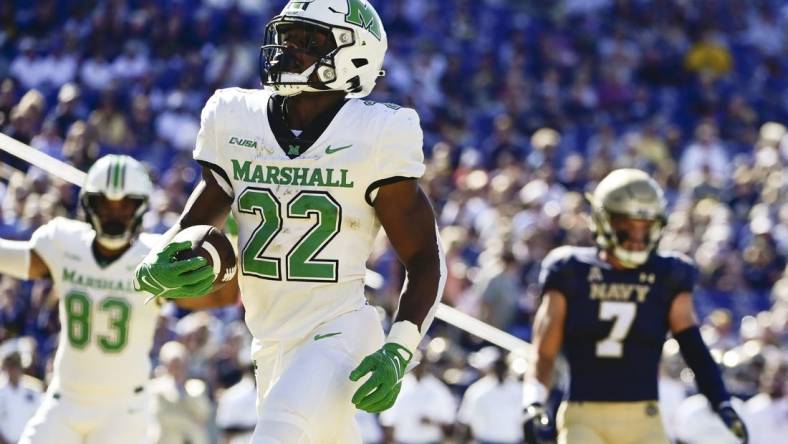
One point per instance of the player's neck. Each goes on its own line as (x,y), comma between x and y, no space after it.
(105,255)
(301,110)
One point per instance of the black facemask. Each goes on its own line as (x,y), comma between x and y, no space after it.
(114,227)
(285,41)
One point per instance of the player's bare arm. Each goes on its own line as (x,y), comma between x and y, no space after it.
(208,204)
(684,327)
(682,313)
(548,338)
(548,335)
(226,295)
(406,214)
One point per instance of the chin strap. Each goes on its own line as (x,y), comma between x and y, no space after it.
(299,81)
(112,242)
(630,259)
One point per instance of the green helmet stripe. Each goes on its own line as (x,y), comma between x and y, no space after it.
(109,177)
(123,174)
(116,173)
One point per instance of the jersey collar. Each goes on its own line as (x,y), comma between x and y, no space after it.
(292,145)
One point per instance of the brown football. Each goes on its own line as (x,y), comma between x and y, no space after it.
(209,242)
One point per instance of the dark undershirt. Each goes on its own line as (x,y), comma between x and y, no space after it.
(293,145)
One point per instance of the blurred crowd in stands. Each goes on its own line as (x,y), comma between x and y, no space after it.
(524,106)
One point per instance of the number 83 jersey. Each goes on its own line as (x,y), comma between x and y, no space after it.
(106,327)
(616,320)
(306,223)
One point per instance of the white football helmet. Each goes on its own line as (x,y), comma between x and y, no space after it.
(631,193)
(352,64)
(116,177)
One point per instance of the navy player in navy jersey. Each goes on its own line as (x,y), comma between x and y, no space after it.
(609,309)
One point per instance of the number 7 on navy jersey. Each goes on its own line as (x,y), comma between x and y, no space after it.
(623,315)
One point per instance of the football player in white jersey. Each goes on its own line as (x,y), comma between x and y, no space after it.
(101,368)
(311,173)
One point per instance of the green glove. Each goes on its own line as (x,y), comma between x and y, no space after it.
(387,366)
(167,277)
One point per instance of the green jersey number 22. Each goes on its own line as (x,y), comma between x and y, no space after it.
(300,263)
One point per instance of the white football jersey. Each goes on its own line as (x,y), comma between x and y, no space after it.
(106,329)
(305,225)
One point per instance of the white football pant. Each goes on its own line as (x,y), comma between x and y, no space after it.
(65,421)
(303,389)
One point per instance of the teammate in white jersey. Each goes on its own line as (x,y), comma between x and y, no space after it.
(97,394)
(310,172)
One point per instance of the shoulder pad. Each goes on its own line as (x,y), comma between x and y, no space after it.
(235,96)
(391,106)
(69,226)
(560,255)
(681,272)
(678,257)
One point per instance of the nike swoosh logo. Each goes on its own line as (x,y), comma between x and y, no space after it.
(331,150)
(155,285)
(327,335)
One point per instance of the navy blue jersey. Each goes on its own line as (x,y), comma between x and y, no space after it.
(616,320)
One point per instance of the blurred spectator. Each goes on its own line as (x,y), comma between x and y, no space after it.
(371,432)
(501,294)
(424,411)
(96,70)
(236,411)
(48,140)
(26,66)
(180,405)
(767,413)
(20,396)
(132,63)
(719,331)
(492,406)
(672,391)
(696,423)
(58,67)
(68,109)
(705,154)
(25,117)
(81,148)
(709,53)
(176,125)
(195,333)
(109,122)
